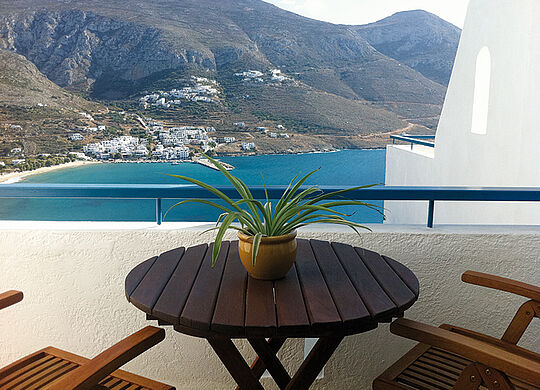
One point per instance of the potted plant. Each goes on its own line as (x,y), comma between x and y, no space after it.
(267,236)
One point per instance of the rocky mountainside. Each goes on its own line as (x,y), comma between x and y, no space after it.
(78,42)
(418,39)
(344,79)
(76,48)
(36,113)
(23,85)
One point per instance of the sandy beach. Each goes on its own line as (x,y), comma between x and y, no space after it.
(15,177)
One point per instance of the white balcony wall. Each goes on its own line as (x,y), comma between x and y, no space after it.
(72,275)
(489,132)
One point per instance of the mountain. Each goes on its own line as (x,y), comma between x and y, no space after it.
(36,113)
(80,42)
(339,82)
(418,39)
(23,85)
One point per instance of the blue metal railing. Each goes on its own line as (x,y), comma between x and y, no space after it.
(414,139)
(167,191)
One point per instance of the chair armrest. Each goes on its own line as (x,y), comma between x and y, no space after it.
(90,374)
(476,350)
(503,284)
(9,298)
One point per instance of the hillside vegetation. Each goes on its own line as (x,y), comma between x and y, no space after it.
(35,113)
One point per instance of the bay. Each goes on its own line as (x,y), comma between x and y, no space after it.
(347,168)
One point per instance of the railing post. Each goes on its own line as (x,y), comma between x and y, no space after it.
(431,210)
(159,214)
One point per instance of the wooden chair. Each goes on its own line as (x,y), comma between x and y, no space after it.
(449,357)
(54,369)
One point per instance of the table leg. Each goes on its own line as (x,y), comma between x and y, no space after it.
(248,378)
(314,363)
(267,355)
(235,364)
(258,366)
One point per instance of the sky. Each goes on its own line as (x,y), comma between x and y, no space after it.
(367,11)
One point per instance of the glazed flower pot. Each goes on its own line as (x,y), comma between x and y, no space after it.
(275,257)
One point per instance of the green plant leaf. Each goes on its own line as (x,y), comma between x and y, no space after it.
(352,225)
(261,207)
(220,217)
(246,217)
(238,184)
(208,187)
(286,191)
(287,195)
(227,221)
(292,208)
(327,195)
(230,227)
(204,201)
(256,243)
(310,209)
(289,227)
(265,190)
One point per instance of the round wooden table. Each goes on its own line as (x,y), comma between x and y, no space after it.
(332,291)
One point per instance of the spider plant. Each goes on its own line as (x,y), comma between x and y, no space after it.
(297,207)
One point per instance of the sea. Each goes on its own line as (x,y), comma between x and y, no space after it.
(343,168)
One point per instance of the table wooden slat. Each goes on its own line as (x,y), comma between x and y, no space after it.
(260,308)
(231,303)
(319,303)
(405,274)
(136,275)
(290,308)
(170,304)
(375,298)
(153,283)
(391,283)
(201,301)
(349,304)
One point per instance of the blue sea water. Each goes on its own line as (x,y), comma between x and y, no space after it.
(348,167)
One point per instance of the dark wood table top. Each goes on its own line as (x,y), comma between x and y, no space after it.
(333,288)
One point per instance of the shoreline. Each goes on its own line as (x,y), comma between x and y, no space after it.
(299,153)
(15,177)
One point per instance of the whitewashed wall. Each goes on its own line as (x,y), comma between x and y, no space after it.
(508,153)
(72,275)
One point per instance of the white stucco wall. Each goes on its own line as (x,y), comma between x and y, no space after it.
(411,167)
(72,275)
(507,155)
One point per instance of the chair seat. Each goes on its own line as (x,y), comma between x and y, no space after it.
(43,368)
(427,368)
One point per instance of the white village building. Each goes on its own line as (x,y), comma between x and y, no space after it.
(248,146)
(75,137)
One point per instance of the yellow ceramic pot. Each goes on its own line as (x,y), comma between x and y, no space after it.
(275,257)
